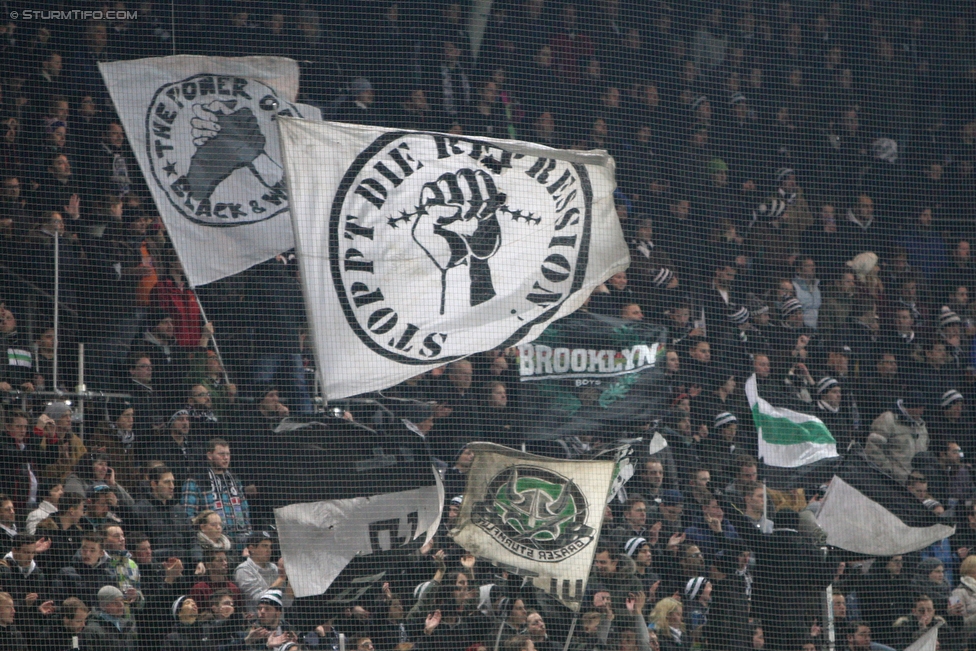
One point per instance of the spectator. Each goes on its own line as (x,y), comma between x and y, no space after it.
(162,518)
(210,535)
(258,574)
(18,471)
(270,630)
(807,287)
(10,634)
(215,580)
(177,300)
(219,489)
(71,623)
(110,628)
(897,436)
(64,531)
(90,570)
(126,569)
(909,628)
(8,519)
(117,437)
(59,449)
(178,447)
(47,508)
(102,504)
(667,619)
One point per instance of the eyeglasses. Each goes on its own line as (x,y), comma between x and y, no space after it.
(201,395)
(144,365)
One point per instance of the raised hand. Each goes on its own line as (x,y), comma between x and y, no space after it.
(457,226)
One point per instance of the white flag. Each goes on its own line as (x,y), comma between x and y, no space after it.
(928,641)
(318,539)
(534,516)
(202,129)
(417,249)
(788,438)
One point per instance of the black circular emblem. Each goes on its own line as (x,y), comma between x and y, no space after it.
(213,148)
(438,244)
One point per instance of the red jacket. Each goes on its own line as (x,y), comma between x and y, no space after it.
(182,306)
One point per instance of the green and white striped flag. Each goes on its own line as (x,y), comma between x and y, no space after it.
(787,438)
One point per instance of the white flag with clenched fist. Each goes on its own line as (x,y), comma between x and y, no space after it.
(417,249)
(202,129)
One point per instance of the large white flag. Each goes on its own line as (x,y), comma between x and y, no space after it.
(417,249)
(535,516)
(202,129)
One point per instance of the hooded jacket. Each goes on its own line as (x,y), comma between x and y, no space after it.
(894,441)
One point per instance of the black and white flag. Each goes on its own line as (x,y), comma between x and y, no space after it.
(417,249)
(202,129)
(346,491)
(867,512)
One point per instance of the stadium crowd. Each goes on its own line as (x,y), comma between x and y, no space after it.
(796,183)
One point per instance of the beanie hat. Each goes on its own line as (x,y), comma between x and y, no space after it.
(108,594)
(737,98)
(693,587)
(771,211)
(885,149)
(947,317)
(783,172)
(825,384)
(255,538)
(950,397)
(662,277)
(863,263)
(632,545)
(177,605)
(790,306)
(725,418)
(717,165)
(739,316)
(56,410)
(698,101)
(457,499)
(757,307)
(272,598)
(177,414)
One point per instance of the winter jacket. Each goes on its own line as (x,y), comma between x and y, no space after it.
(84,581)
(166,526)
(808,293)
(894,441)
(109,633)
(966,594)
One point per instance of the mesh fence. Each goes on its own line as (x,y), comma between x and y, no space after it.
(632,325)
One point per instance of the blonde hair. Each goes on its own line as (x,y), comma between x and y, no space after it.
(968,567)
(201,518)
(663,608)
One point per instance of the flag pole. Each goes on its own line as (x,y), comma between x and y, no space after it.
(572,629)
(213,338)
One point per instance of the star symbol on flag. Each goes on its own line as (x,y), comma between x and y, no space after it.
(170,169)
